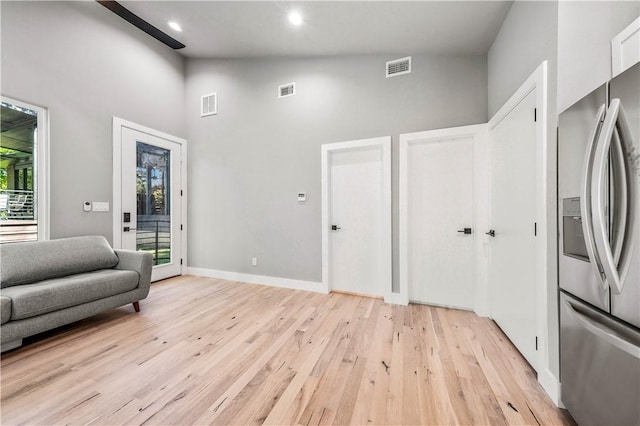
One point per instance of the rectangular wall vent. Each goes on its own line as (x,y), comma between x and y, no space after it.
(399,67)
(209,105)
(285,90)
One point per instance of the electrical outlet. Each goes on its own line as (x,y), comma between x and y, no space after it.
(254,261)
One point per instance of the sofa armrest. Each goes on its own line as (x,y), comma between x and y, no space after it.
(136,261)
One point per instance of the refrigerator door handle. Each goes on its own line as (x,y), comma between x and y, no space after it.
(618,206)
(628,204)
(603,332)
(615,269)
(585,199)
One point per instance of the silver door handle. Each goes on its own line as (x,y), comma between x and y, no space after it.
(599,195)
(491,233)
(618,210)
(615,270)
(127,229)
(630,158)
(625,205)
(603,332)
(585,199)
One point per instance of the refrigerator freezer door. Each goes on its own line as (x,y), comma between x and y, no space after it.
(576,126)
(599,366)
(626,87)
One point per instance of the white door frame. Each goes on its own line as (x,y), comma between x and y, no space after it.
(546,240)
(480,184)
(118,125)
(384,145)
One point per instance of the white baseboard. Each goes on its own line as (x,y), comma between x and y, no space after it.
(481,310)
(289,283)
(395,299)
(551,386)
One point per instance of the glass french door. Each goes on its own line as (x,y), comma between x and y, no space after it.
(151,207)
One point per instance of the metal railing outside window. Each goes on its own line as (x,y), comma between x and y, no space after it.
(154,236)
(16,205)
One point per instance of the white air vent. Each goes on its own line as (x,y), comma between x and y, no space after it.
(209,105)
(399,67)
(285,90)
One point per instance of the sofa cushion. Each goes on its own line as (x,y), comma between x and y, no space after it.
(5,309)
(30,262)
(30,300)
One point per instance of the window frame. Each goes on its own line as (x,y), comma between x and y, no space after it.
(41,167)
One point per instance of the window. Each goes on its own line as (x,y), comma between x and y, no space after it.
(153,191)
(23,172)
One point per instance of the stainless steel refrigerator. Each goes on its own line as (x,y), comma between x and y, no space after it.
(599,253)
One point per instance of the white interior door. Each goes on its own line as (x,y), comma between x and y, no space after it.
(441,259)
(513,263)
(151,207)
(358,217)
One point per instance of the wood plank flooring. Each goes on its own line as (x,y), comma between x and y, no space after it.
(206,351)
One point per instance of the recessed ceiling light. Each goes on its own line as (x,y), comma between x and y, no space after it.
(175,26)
(295,18)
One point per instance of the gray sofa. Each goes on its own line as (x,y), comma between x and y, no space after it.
(47,284)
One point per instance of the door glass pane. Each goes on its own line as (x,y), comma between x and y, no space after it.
(18,143)
(153,233)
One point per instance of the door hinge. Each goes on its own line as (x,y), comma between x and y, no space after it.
(181,227)
(181,264)
(535,114)
(536,343)
(181,192)
(535,229)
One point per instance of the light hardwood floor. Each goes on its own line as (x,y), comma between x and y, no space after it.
(206,351)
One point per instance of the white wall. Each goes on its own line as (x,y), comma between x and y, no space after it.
(528,36)
(86,65)
(248,162)
(585,30)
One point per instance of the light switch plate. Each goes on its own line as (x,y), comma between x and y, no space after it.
(100,206)
(302,196)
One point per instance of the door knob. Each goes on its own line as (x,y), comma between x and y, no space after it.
(335,227)
(491,233)
(466,231)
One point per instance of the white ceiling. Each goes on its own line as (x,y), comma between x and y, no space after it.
(240,29)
